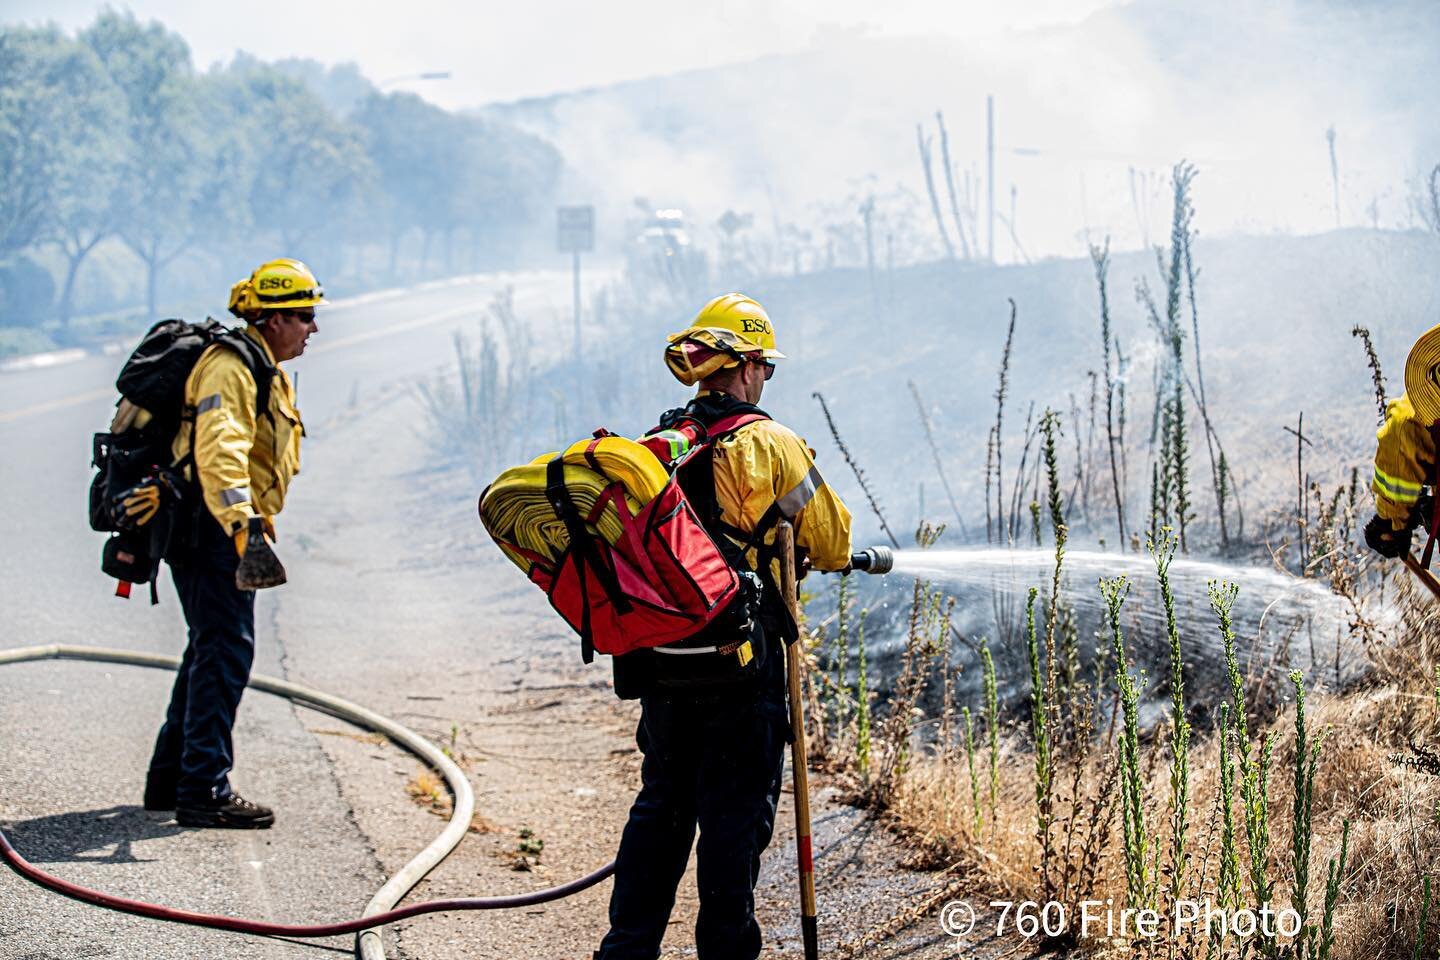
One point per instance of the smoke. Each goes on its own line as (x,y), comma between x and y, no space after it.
(1089,119)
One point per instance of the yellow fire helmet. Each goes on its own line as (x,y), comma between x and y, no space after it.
(727,330)
(283,284)
(1422,376)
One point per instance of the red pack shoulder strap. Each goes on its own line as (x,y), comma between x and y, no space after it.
(719,429)
(728,425)
(590,455)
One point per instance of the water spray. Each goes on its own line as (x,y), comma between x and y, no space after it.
(1276,606)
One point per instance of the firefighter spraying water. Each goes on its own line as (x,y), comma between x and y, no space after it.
(677,554)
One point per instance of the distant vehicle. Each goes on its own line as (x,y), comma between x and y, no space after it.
(660,252)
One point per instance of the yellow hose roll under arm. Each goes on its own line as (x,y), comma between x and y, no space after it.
(637,469)
(516,511)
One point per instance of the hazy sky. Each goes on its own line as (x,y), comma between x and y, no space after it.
(506,51)
(1090,118)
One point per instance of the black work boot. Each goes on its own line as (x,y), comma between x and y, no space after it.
(159,792)
(234,812)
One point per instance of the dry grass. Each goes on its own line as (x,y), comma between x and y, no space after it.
(427,790)
(1286,794)
(1395,837)
(1393,810)
(374,739)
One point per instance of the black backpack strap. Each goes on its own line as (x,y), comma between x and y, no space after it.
(1432,525)
(698,481)
(755,539)
(261,368)
(258,363)
(712,407)
(584,549)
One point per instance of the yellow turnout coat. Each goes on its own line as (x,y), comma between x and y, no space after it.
(244,462)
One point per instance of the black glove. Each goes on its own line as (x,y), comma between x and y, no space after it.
(1385,540)
(803,564)
(133,508)
(1423,513)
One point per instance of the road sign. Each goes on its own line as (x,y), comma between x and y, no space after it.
(732,222)
(575,229)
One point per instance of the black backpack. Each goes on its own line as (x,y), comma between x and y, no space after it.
(153,378)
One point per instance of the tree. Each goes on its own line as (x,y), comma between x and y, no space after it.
(59,117)
(341,88)
(166,160)
(310,168)
(509,184)
(25,156)
(420,153)
(1426,200)
(26,293)
(88,135)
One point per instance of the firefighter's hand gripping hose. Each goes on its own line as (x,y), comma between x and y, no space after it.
(381,909)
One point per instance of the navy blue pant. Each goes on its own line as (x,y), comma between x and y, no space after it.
(194,749)
(714,762)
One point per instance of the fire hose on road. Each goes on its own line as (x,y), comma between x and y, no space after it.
(382,906)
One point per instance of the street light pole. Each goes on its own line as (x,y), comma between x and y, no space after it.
(990,178)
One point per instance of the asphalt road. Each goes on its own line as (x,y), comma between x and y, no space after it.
(396,600)
(75,738)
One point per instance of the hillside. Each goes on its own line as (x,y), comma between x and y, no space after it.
(1275,321)
(1088,119)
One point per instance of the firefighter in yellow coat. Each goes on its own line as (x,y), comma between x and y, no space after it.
(713,735)
(240,446)
(1405,458)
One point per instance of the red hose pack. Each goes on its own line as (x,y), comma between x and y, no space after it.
(663,580)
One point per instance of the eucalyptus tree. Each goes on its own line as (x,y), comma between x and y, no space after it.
(165,162)
(309,175)
(60,128)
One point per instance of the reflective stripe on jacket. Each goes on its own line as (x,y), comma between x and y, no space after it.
(244,462)
(1405,462)
(763,463)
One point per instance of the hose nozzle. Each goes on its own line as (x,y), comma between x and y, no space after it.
(875,560)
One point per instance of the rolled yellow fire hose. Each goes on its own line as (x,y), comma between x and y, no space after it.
(515,509)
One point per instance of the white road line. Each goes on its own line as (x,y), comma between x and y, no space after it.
(50,406)
(389,330)
(37,361)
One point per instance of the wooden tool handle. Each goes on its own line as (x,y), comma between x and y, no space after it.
(1423,575)
(799,754)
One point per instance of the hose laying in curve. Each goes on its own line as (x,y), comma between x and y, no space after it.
(381,909)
